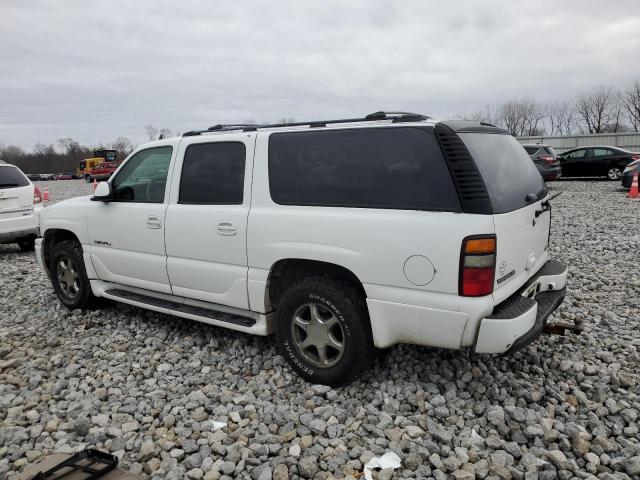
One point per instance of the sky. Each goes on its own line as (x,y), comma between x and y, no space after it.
(98,70)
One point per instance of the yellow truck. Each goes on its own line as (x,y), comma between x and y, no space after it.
(99,156)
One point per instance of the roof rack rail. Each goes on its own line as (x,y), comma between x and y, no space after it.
(395,117)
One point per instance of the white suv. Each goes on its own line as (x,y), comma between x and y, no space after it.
(338,236)
(20,202)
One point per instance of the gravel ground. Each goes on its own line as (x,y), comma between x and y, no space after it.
(149,387)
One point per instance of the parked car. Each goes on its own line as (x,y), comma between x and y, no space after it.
(34,176)
(546,160)
(597,161)
(20,203)
(337,236)
(64,176)
(630,170)
(101,171)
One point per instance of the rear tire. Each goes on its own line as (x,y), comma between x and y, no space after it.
(323,330)
(69,277)
(614,173)
(27,244)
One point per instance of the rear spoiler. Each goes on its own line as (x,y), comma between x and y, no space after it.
(468,126)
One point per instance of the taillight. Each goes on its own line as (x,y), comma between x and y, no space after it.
(37,196)
(477,265)
(635,157)
(547,159)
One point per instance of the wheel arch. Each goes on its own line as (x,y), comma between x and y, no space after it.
(288,270)
(52,237)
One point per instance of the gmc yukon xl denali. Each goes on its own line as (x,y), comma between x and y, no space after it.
(337,236)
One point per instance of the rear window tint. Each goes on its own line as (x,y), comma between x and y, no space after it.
(399,168)
(531,150)
(11,177)
(507,171)
(213,174)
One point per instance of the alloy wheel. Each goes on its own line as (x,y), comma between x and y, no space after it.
(318,335)
(614,173)
(68,277)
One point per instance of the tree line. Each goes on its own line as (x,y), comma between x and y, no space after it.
(64,156)
(599,110)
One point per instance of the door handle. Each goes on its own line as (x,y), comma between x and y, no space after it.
(153,222)
(227,228)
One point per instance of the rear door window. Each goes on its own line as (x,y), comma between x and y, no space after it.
(507,171)
(213,174)
(11,177)
(398,168)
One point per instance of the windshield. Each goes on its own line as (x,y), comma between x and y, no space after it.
(11,177)
(507,170)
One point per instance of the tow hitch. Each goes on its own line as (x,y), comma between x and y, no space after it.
(560,328)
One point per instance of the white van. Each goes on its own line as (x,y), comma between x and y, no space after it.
(339,236)
(20,202)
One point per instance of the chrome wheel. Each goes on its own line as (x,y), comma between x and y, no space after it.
(614,173)
(318,335)
(68,277)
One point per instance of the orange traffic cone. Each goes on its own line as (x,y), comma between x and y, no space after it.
(95,184)
(633,191)
(45,195)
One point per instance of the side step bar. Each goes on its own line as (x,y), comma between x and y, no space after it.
(183,308)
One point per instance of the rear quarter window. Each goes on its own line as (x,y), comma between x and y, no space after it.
(12,177)
(395,168)
(507,171)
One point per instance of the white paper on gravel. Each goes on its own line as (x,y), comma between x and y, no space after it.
(388,460)
(218,425)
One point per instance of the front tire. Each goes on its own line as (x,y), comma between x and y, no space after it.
(323,330)
(69,277)
(87,178)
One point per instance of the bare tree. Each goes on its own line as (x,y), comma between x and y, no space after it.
(165,133)
(152,132)
(124,147)
(631,102)
(522,117)
(561,117)
(598,110)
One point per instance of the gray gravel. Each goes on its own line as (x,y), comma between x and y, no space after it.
(148,387)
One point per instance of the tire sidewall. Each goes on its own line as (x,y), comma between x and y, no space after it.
(349,317)
(69,250)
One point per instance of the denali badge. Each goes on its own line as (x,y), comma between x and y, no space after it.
(506,277)
(100,242)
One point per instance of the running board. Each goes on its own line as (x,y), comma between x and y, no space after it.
(182,307)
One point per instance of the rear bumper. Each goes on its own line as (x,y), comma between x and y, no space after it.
(521,318)
(16,228)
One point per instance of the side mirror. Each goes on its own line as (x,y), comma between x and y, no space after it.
(103,192)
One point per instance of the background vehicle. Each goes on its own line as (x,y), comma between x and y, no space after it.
(596,161)
(629,171)
(20,202)
(64,176)
(546,160)
(337,236)
(99,156)
(102,171)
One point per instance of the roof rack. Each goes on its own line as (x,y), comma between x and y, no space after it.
(395,117)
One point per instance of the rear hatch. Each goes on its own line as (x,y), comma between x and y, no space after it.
(521,217)
(16,193)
